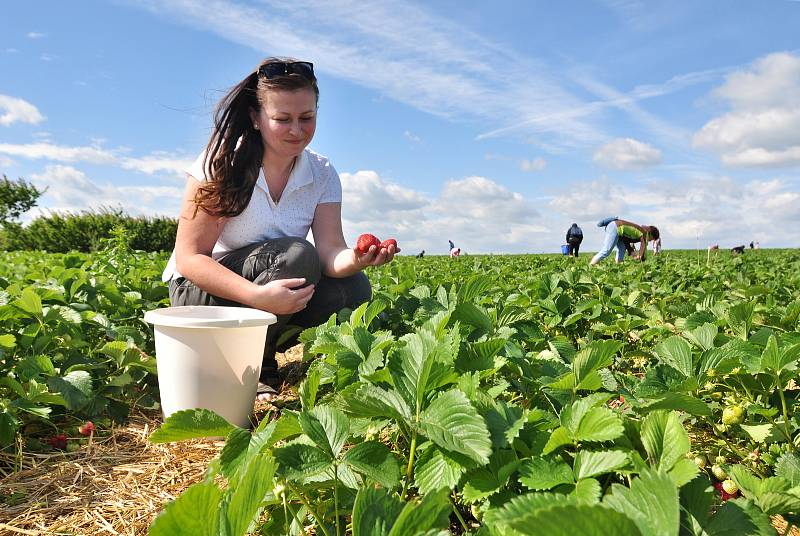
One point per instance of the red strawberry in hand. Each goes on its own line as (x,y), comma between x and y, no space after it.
(86,429)
(58,441)
(365,241)
(389,242)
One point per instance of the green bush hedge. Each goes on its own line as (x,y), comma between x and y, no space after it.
(60,233)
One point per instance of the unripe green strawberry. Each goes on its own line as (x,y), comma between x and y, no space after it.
(716,396)
(476,511)
(719,460)
(730,487)
(732,415)
(700,461)
(719,472)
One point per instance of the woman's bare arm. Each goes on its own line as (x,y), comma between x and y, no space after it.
(194,242)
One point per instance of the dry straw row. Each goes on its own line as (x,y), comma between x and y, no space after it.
(115,485)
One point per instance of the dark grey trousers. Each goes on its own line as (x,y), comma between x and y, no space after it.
(281,258)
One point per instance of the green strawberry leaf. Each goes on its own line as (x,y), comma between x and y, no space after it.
(191,424)
(452,423)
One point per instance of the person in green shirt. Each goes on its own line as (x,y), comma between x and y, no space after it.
(623,234)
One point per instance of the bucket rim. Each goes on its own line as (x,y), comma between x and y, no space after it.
(171,317)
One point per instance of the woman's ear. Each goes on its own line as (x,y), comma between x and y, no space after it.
(254,118)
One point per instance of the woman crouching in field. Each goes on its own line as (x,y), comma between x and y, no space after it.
(251,198)
(622,235)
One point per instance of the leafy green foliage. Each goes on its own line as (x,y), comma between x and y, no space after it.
(86,231)
(510,392)
(72,343)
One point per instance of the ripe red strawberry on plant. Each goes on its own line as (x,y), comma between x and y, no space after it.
(86,429)
(58,441)
(365,241)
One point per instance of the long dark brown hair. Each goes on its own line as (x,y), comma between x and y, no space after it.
(235,150)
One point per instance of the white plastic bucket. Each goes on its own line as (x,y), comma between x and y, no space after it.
(209,357)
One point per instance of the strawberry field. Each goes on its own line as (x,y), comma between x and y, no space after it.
(487,395)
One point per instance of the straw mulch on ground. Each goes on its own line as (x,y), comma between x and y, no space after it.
(118,483)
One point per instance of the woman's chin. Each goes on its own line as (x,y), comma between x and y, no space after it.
(294,149)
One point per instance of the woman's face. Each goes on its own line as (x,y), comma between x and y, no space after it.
(287,121)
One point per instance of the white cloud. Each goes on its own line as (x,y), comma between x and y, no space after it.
(14,110)
(590,201)
(762,128)
(477,213)
(69,189)
(6,162)
(35,35)
(59,153)
(373,198)
(47,57)
(714,209)
(151,164)
(158,162)
(537,164)
(627,153)
(413,138)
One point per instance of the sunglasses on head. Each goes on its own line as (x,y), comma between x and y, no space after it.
(281,68)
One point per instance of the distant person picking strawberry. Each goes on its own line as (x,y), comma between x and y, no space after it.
(623,235)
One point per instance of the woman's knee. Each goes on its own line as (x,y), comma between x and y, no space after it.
(301,255)
(290,257)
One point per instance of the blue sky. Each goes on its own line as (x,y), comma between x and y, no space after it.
(494,124)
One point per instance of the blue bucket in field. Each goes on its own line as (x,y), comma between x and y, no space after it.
(565,249)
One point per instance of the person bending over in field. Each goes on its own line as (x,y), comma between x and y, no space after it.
(657,246)
(623,235)
(251,197)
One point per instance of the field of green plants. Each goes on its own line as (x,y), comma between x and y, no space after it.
(487,395)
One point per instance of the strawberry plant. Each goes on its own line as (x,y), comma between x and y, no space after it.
(527,395)
(72,343)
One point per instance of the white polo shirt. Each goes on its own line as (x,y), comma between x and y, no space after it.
(312,181)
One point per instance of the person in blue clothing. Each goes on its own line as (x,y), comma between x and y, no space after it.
(574,239)
(623,235)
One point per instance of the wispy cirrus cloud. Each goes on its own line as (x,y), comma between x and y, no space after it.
(405,52)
